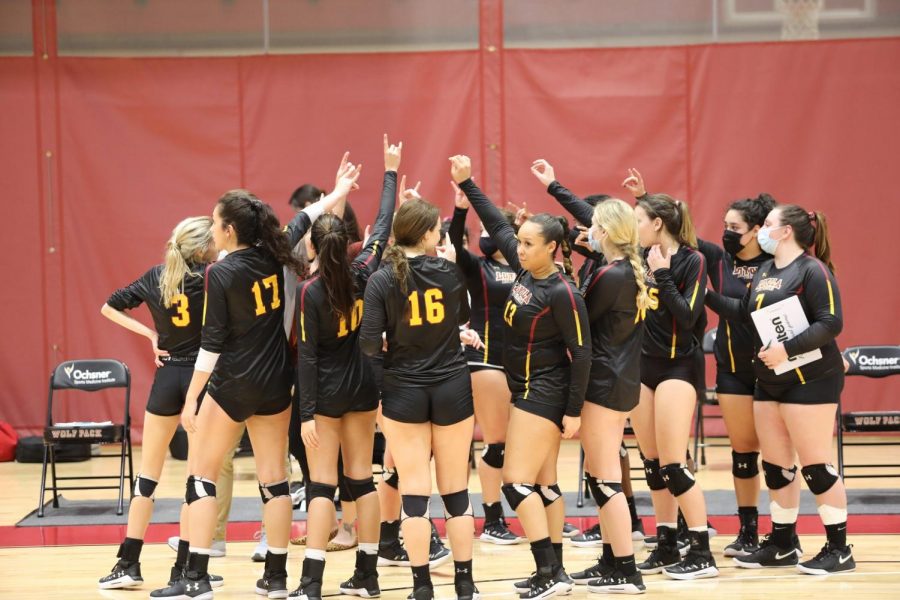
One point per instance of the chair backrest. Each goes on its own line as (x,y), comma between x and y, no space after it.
(873,361)
(709,341)
(90,375)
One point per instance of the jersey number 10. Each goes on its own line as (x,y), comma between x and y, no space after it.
(434,308)
(355,318)
(270,282)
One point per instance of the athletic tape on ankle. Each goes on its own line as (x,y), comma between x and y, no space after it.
(783,515)
(832,515)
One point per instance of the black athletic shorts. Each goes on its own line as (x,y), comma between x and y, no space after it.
(242,399)
(170,386)
(552,412)
(443,403)
(476,359)
(825,390)
(741,383)
(363,401)
(655,370)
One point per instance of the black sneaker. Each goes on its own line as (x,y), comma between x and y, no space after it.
(272,584)
(392,554)
(747,542)
(543,585)
(650,542)
(215,581)
(192,589)
(637,530)
(564,583)
(310,587)
(125,574)
(658,560)
(589,538)
(830,559)
(364,582)
(569,530)
(598,571)
(426,592)
(466,590)
(438,553)
(523,585)
(698,564)
(768,555)
(615,582)
(498,533)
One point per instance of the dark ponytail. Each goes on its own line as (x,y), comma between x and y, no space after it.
(556,229)
(754,210)
(256,224)
(329,238)
(412,221)
(674,214)
(810,231)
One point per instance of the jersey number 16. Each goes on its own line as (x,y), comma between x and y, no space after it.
(434,307)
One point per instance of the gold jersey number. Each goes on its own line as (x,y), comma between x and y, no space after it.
(183,318)
(355,318)
(433,309)
(270,283)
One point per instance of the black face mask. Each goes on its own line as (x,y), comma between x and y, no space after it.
(731,241)
(487,246)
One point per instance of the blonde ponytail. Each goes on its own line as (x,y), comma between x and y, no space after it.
(189,243)
(617,219)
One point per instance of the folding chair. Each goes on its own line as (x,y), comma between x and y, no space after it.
(876,362)
(708,399)
(88,376)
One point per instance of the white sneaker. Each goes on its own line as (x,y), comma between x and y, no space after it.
(259,553)
(217,550)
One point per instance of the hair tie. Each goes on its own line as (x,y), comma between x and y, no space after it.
(813,219)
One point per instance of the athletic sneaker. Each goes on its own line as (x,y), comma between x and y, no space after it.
(125,574)
(747,541)
(651,543)
(698,564)
(426,592)
(569,530)
(392,554)
(215,581)
(438,553)
(272,584)
(498,533)
(544,586)
(659,559)
(216,551)
(637,530)
(259,553)
(599,570)
(186,589)
(768,555)
(589,538)
(466,590)
(564,584)
(616,582)
(364,582)
(830,559)
(310,587)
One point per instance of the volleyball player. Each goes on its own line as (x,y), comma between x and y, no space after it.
(795,410)
(173,291)
(338,395)
(730,269)
(419,301)
(547,321)
(676,281)
(244,357)
(614,293)
(489,279)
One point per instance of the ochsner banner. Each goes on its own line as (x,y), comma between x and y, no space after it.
(875,360)
(82,375)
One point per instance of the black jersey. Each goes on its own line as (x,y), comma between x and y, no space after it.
(488,282)
(546,320)
(331,369)
(813,283)
(422,325)
(731,276)
(676,305)
(178,326)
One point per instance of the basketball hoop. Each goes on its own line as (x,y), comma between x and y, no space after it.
(800,18)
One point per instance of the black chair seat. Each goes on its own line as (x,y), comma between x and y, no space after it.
(871,421)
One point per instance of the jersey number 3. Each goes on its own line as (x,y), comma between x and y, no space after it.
(270,282)
(183,318)
(434,308)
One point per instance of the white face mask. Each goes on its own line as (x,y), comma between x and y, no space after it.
(594,242)
(765,240)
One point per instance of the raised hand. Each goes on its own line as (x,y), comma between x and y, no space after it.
(522,212)
(392,155)
(459,199)
(347,178)
(634,183)
(345,160)
(582,238)
(543,171)
(460,168)
(409,194)
(446,250)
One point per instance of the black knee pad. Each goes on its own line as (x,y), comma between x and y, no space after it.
(549,493)
(389,476)
(268,491)
(144,487)
(623,451)
(198,487)
(357,488)
(744,465)
(678,478)
(516,492)
(819,478)
(651,471)
(315,490)
(778,477)
(414,507)
(492,455)
(603,490)
(457,504)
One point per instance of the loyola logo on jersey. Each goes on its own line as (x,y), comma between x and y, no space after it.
(86,376)
(872,362)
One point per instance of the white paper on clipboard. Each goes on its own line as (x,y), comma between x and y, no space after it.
(780,322)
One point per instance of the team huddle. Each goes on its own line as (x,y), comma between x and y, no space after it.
(301,332)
